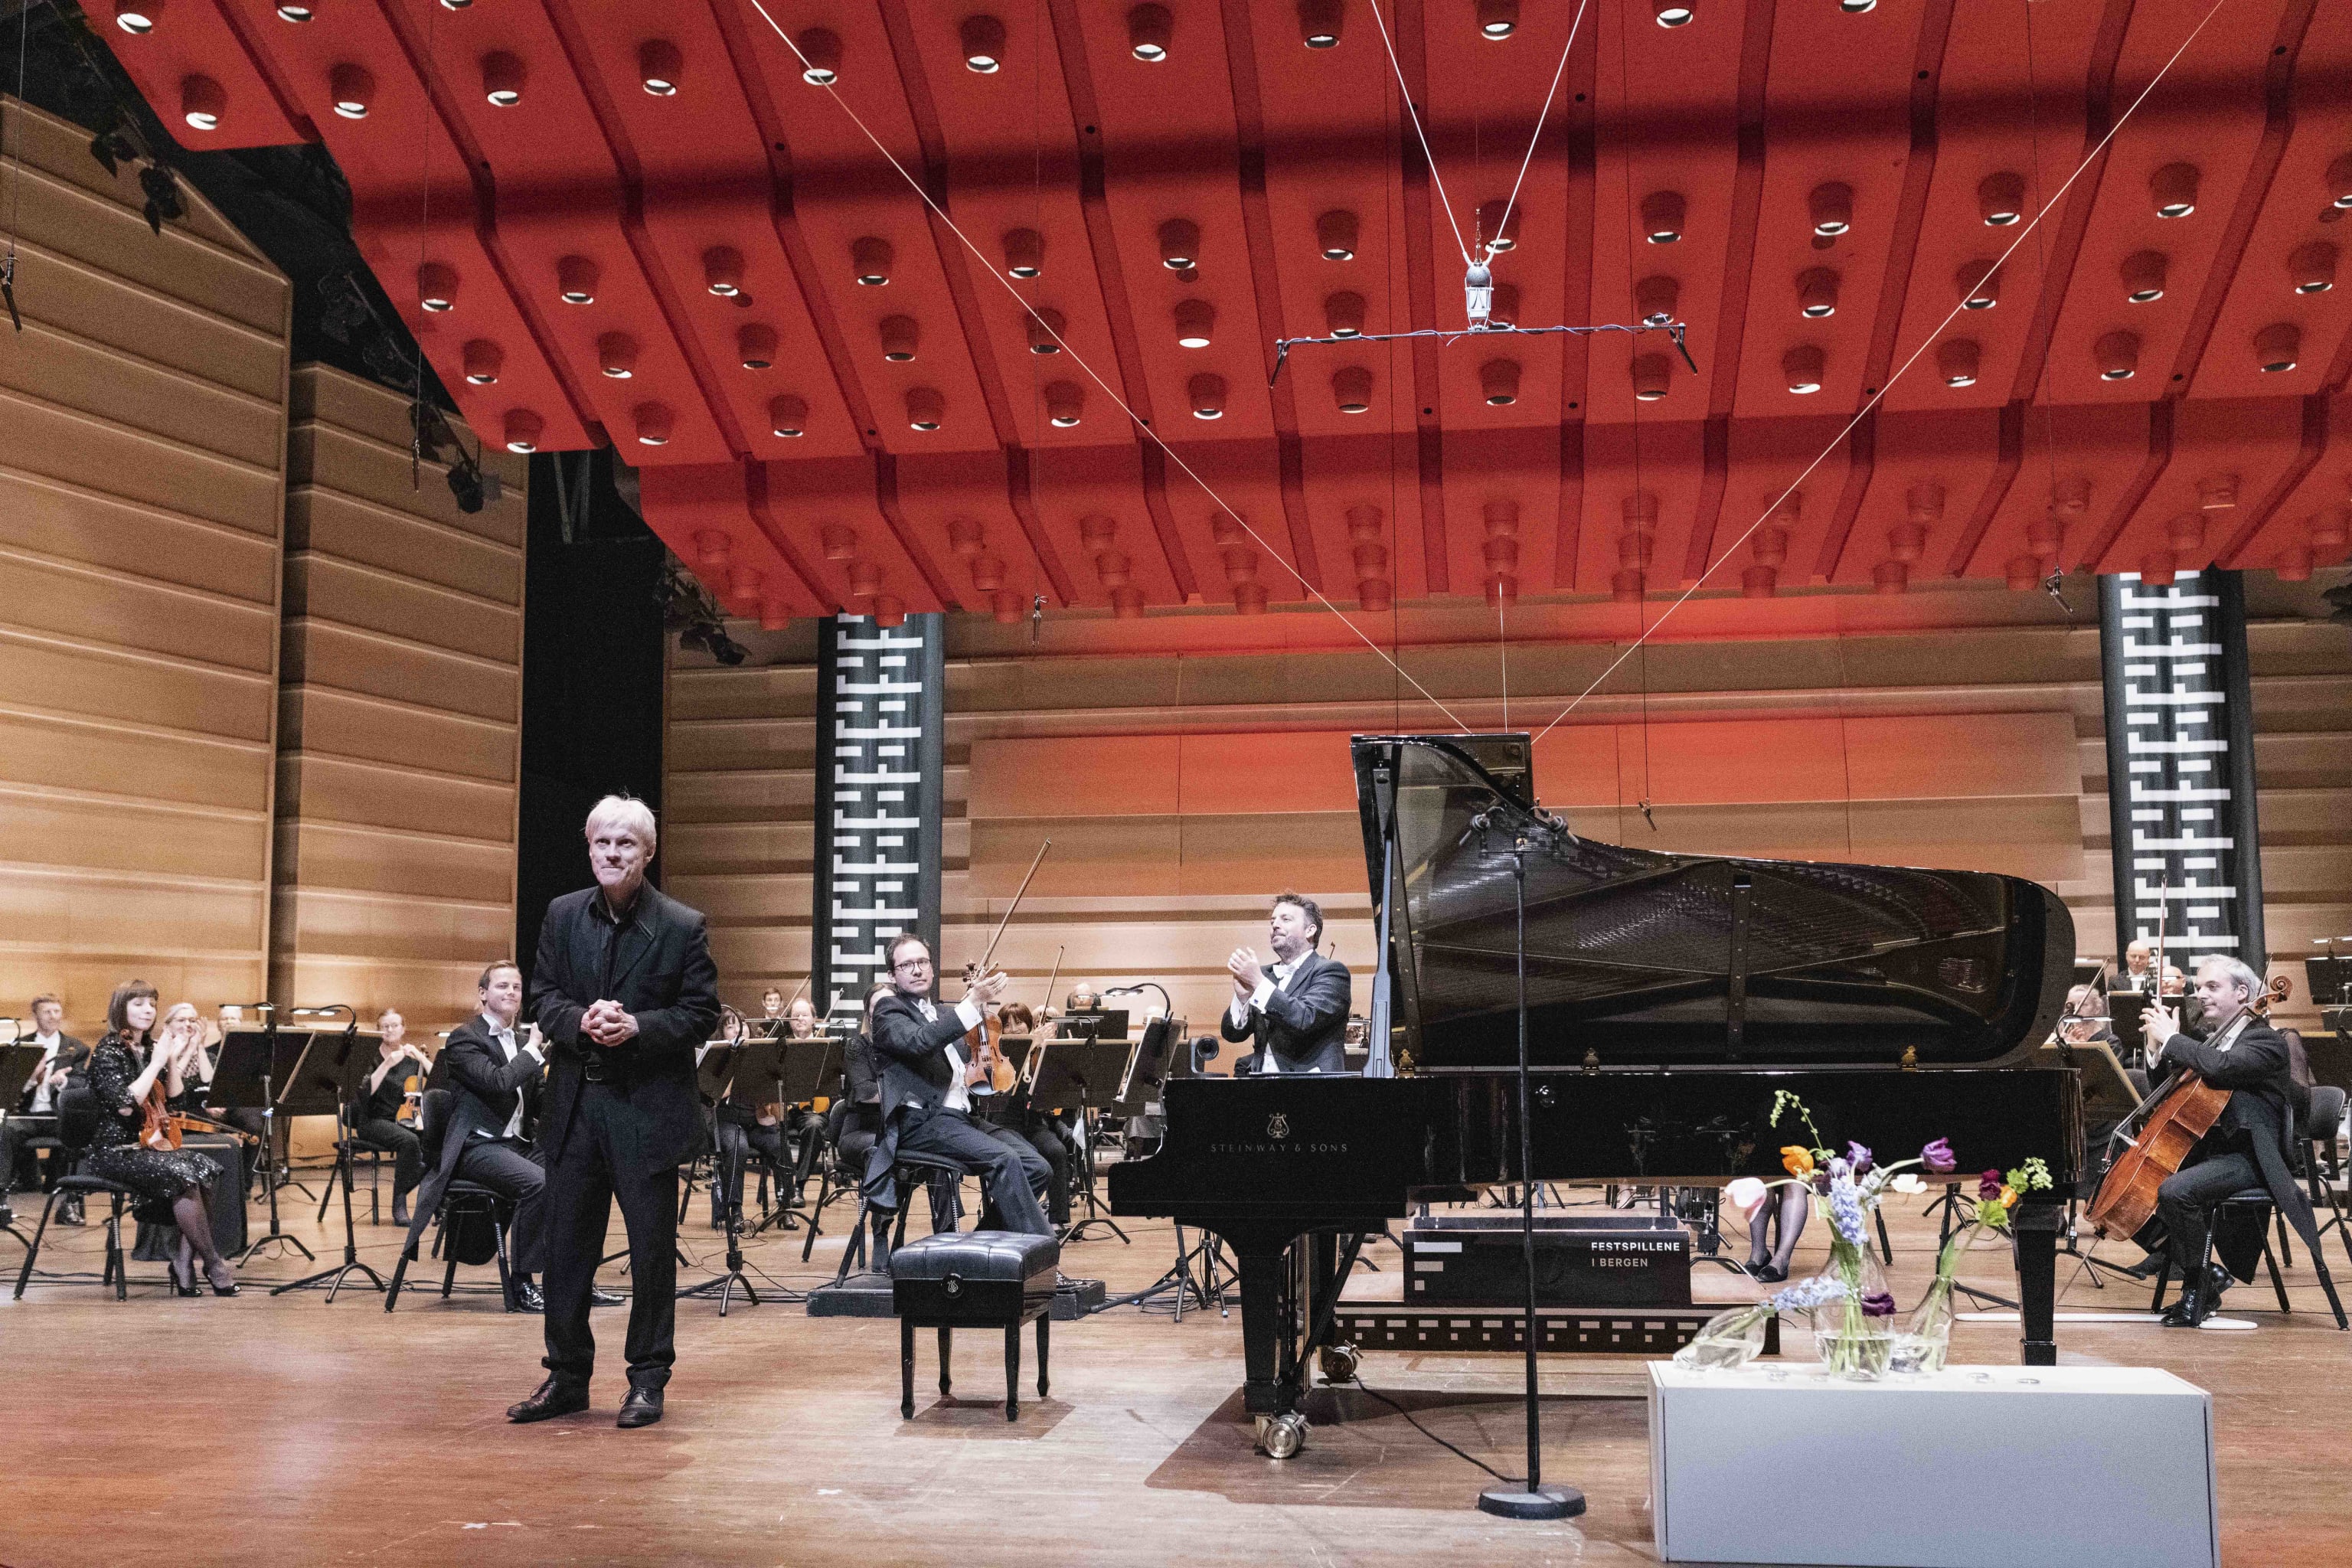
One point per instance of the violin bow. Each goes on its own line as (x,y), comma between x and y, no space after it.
(1018,894)
(1047,1000)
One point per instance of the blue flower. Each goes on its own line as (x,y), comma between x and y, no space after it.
(1845,1211)
(1807,1294)
(1859,1158)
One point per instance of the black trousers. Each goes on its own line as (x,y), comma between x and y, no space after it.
(2185,1199)
(1044,1137)
(602,1161)
(510,1170)
(19,1168)
(736,1142)
(407,1151)
(1012,1175)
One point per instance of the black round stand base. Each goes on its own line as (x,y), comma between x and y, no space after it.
(1543,1503)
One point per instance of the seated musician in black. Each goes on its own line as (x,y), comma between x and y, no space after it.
(1296,1008)
(1044,1133)
(2251,1146)
(742,1125)
(64,1061)
(926,1095)
(378,1122)
(493,1075)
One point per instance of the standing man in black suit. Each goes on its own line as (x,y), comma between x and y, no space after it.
(493,1076)
(927,1093)
(625,990)
(2252,1144)
(63,1059)
(1296,1008)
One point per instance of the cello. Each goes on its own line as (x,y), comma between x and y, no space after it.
(2170,1121)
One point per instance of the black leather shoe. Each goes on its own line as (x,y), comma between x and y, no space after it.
(528,1298)
(2188,1312)
(69,1212)
(643,1407)
(600,1297)
(2217,1279)
(2146,1268)
(553,1397)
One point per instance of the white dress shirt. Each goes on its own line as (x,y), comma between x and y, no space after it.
(505,1037)
(42,1093)
(968,1014)
(1274,977)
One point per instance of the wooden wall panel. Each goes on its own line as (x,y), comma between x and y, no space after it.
(400,716)
(141,491)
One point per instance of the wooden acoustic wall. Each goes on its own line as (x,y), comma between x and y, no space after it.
(399,714)
(143,435)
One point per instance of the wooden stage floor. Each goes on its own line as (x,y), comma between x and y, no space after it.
(289,1431)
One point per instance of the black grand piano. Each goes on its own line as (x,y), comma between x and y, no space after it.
(1669,996)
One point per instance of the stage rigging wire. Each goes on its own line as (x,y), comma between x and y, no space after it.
(1512,202)
(1879,397)
(832,87)
(1414,112)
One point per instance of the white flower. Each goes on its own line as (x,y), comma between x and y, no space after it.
(1908,1182)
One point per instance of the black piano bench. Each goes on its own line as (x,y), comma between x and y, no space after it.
(979,1278)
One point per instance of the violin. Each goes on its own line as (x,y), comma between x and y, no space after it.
(412,1101)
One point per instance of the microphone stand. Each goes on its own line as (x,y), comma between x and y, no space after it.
(1535,1499)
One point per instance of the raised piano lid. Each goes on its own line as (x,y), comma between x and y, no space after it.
(1631,953)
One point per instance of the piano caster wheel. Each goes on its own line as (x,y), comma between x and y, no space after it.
(1338,1362)
(1280,1437)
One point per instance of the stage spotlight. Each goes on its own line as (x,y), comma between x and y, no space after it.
(201,102)
(1319,23)
(984,45)
(1670,12)
(1498,19)
(576,279)
(137,17)
(503,80)
(1149,30)
(2173,188)
(1195,318)
(1179,244)
(820,56)
(659,65)
(1024,253)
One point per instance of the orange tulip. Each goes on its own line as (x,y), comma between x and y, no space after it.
(1798,1162)
(2008,1197)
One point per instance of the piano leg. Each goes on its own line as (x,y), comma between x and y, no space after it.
(2037,1225)
(1268,1358)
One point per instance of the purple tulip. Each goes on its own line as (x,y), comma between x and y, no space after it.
(1878,1304)
(1938,1157)
(1822,1183)
(1859,1158)
(1988,1185)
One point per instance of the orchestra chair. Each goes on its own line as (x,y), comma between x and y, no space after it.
(76,1125)
(981,1279)
(2256,1199)
(843,1167)
(460,1200)
(942,1177)
(350,1150)
(2323,1167)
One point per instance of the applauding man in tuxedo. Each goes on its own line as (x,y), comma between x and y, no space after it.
(625,990)
(1296,1008)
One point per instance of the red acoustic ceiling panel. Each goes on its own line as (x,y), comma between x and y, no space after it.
(204,82)
(666,229)
(563,217)
(1927,478)
(705,514)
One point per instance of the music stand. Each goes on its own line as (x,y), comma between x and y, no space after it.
(18,1062)
(333,1074)
(1088,1074)
(753,1065)
(2127,1020)
(252,1063)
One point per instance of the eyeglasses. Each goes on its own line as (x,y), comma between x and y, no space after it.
(912,964)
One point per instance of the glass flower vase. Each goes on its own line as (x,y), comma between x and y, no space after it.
(1926,1339)
(1727,1342)
(1854,1334)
